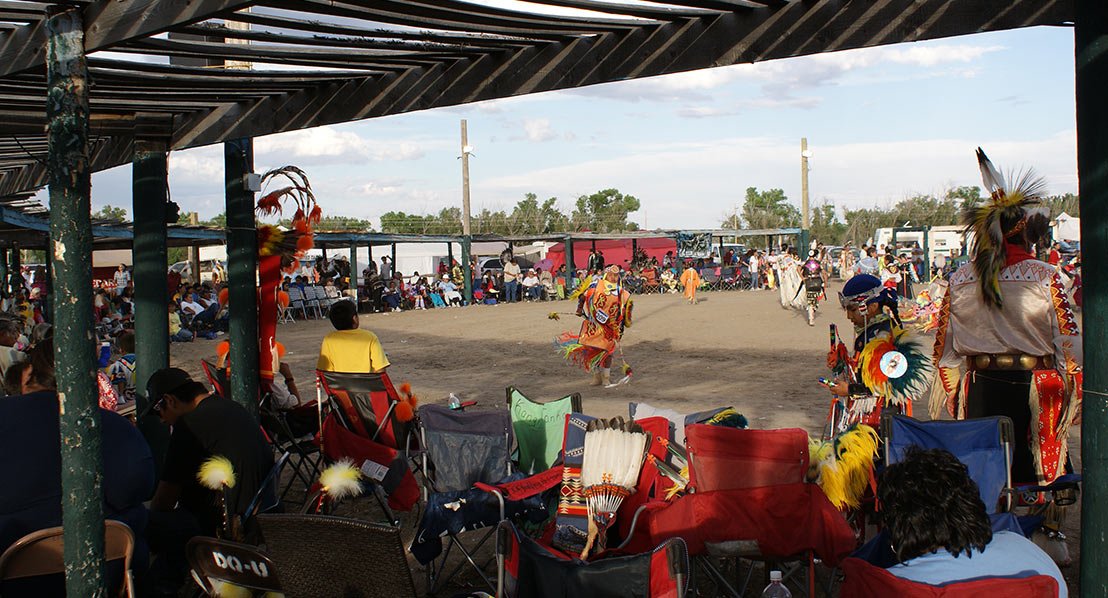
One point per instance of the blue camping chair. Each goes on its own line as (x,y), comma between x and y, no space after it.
(983,444)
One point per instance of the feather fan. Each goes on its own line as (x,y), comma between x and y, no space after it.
(902,389)
(614,454)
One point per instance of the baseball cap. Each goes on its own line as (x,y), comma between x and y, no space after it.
(165,382)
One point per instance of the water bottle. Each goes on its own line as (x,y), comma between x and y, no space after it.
(776,589)
(455,402)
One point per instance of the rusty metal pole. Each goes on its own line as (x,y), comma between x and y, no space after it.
(1091,59)
(67,114)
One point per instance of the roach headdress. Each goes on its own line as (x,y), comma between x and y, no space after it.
(997,220)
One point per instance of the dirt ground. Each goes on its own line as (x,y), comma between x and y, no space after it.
(738,348)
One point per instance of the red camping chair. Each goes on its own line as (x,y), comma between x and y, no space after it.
(366,405)
(527,569)
(748,499)
(864,580)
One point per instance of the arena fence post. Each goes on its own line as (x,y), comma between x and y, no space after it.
(149,193)
(571,268)
(242,273)
(67,113)
(354,270)
(1091,60)
(467,269)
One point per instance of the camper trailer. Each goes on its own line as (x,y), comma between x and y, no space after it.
(947,241)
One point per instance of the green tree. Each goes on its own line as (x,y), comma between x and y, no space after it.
(336,224)
(110,213)
(605,211)
(825,225)
(769,209)
(1068,203)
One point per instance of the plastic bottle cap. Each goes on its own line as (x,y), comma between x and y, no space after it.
(775,576)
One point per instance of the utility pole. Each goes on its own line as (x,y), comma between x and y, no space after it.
(194,251)
(467,271)
(805,218)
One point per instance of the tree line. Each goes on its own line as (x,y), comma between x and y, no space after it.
(771,209)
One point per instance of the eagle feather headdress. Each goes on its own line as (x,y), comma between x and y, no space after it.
(1002,216)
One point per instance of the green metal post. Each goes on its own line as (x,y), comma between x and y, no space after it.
(354,270)
(16,270)
(804,241)
(149,190)
(3,272)
(1091,59)
(67,115)
(467,269)
(394,270)
(450,254)
(571,268)
(242,273)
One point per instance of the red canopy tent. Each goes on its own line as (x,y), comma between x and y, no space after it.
(616,251)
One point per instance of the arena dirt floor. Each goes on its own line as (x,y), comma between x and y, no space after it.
(738,348)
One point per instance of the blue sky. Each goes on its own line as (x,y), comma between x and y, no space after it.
(882,123)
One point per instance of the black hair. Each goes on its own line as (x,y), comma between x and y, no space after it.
(126,342)
(928,501)
(342,315)
(41,360)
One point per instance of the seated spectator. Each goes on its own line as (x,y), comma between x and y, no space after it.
(532,290)
(204,424)
(939,530)
(177,332)
(10,331)
(391,297)
(30,456)
(546,280)
(490,290)
(350,348)
(122,371)
(449,291)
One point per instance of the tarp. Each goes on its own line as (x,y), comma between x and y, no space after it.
(1066,228)
(616,251)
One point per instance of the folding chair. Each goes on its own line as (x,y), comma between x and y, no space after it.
(709,279)
(864,580)
(728,278)
(321,555)
(983,444)
(527,569)
(296,301)
(284,313)
(41,554)
(322,299)
(362,426)
(223,568)
(539,428)
(461,449)
(311,301)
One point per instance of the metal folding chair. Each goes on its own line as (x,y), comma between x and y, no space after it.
(40,553)
(296,301)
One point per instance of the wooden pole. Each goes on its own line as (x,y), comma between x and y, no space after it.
(467,238)
(242,273)
(194,251)
(1091,59)
(805,217)
(67,114)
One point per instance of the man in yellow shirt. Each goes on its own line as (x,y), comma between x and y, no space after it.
(350,349)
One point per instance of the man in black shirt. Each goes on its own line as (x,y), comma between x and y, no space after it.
(206,425)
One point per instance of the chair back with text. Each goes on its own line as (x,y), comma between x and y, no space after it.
(366,405)
(983,444)
(539,428)
(723,458)
(217,566)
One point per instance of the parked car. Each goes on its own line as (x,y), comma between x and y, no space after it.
(494,265)
(206,269)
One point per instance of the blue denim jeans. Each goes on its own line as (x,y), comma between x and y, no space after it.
(510,289)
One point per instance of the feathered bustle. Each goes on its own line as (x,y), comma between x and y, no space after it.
(843,466)
(613,457)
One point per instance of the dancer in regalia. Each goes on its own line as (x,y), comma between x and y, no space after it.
(606,307)
(1007,342)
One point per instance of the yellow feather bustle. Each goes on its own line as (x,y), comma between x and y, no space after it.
(216,473)
(581,288)
(844,464)
(341,480)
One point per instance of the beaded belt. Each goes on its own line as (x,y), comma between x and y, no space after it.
(1009,361)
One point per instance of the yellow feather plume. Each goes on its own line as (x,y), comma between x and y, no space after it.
(216,473)
(844,465)
(341,480)
(676,488)
(223,589)
(581,288)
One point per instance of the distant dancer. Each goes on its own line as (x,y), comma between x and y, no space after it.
(690,280)
(606,307)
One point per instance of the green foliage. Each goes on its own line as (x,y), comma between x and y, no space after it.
(110,213)
(1068,203)
(604,211)
(336,224)
(769,209)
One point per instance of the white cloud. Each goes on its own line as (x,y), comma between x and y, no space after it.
(538,129)
(331,145)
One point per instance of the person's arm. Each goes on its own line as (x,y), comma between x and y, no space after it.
(165,497)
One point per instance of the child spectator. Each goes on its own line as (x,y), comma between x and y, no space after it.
(122,371)
(177,333)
